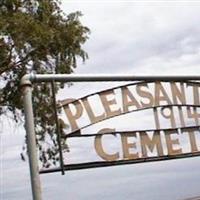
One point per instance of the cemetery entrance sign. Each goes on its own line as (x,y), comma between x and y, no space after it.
(173,110)
(151,118)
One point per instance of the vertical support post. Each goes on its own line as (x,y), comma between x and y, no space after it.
(57,128)
(31,139)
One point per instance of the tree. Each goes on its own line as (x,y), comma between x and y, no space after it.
(35,35)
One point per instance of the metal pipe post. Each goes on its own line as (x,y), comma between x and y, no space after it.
(31,140)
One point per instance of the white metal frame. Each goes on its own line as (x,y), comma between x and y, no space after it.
(26,83)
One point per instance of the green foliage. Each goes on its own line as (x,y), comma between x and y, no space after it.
(35,35)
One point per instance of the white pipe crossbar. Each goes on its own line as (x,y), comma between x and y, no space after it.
(104,77)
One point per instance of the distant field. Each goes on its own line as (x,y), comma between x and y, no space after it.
(193,198)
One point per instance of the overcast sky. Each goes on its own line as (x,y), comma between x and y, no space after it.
(129,37)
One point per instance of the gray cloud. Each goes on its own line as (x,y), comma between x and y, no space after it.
(134,32)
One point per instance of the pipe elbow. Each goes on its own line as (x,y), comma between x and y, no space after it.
(26,80)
